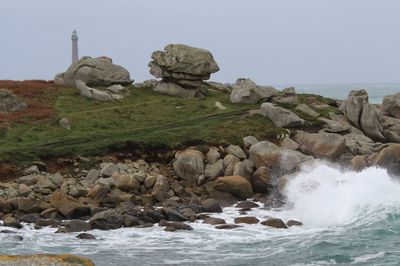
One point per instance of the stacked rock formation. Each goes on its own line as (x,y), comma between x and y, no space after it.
(182,69)
(99,71)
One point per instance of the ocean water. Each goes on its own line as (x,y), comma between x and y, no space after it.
(349,219)
(376,91)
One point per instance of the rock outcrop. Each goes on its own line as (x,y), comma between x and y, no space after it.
(281,117)
(99,71)
(363,115)
(9,102)
(247,91)
(321,145)
(391,105)
(183,70)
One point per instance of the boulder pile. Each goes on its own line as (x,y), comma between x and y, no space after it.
(99,71)
(183,70)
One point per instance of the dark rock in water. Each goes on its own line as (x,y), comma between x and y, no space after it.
(274,222)
(12,222)
(246,205)
(86,236)
(130,221)
(175,225)
(145,225)
(211,205)
(173,215)
(150,212)
(30,218)
(213,220)
(228,226)
(170,229)
(77,226)
(7,232)
(106,220)
(393,169)
(202,216)
(247,220)
(16,238)
(293,223)
(47,222)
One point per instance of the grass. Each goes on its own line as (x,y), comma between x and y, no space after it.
(145,118)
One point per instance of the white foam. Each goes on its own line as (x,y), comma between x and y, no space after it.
(322,195)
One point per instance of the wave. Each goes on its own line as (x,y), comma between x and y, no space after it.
(322,195)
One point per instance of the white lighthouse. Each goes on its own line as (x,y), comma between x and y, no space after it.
(74,38)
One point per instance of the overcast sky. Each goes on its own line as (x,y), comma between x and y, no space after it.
(281,41)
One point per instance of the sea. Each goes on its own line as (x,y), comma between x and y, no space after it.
(349,218)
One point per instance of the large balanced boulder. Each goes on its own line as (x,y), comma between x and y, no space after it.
(238,186)
(363,115)
(182,69)
(247,91)
(189,165)
(9,102)
(281,117)
(321,145)
(99,71)
(391,105)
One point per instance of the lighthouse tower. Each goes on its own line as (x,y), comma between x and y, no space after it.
(74,39)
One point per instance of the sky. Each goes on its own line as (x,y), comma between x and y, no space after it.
(271,42)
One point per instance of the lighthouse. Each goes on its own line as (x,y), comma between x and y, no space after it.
(74,39)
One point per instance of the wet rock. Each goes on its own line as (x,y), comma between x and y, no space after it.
(86,236)
(106,220)
(261,180)
(228,226)
(238,186)
(213,220)
(274,222)
(175,225)
(246,205)
(130,221)
(173,215)
(211,205)
(293,223)
(12,222)
(76,226)
(247,220)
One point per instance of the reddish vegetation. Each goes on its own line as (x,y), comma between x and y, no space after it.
(37,94)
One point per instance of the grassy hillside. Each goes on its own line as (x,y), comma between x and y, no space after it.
(144,118)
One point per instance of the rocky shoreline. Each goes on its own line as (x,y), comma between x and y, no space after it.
(198,181)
